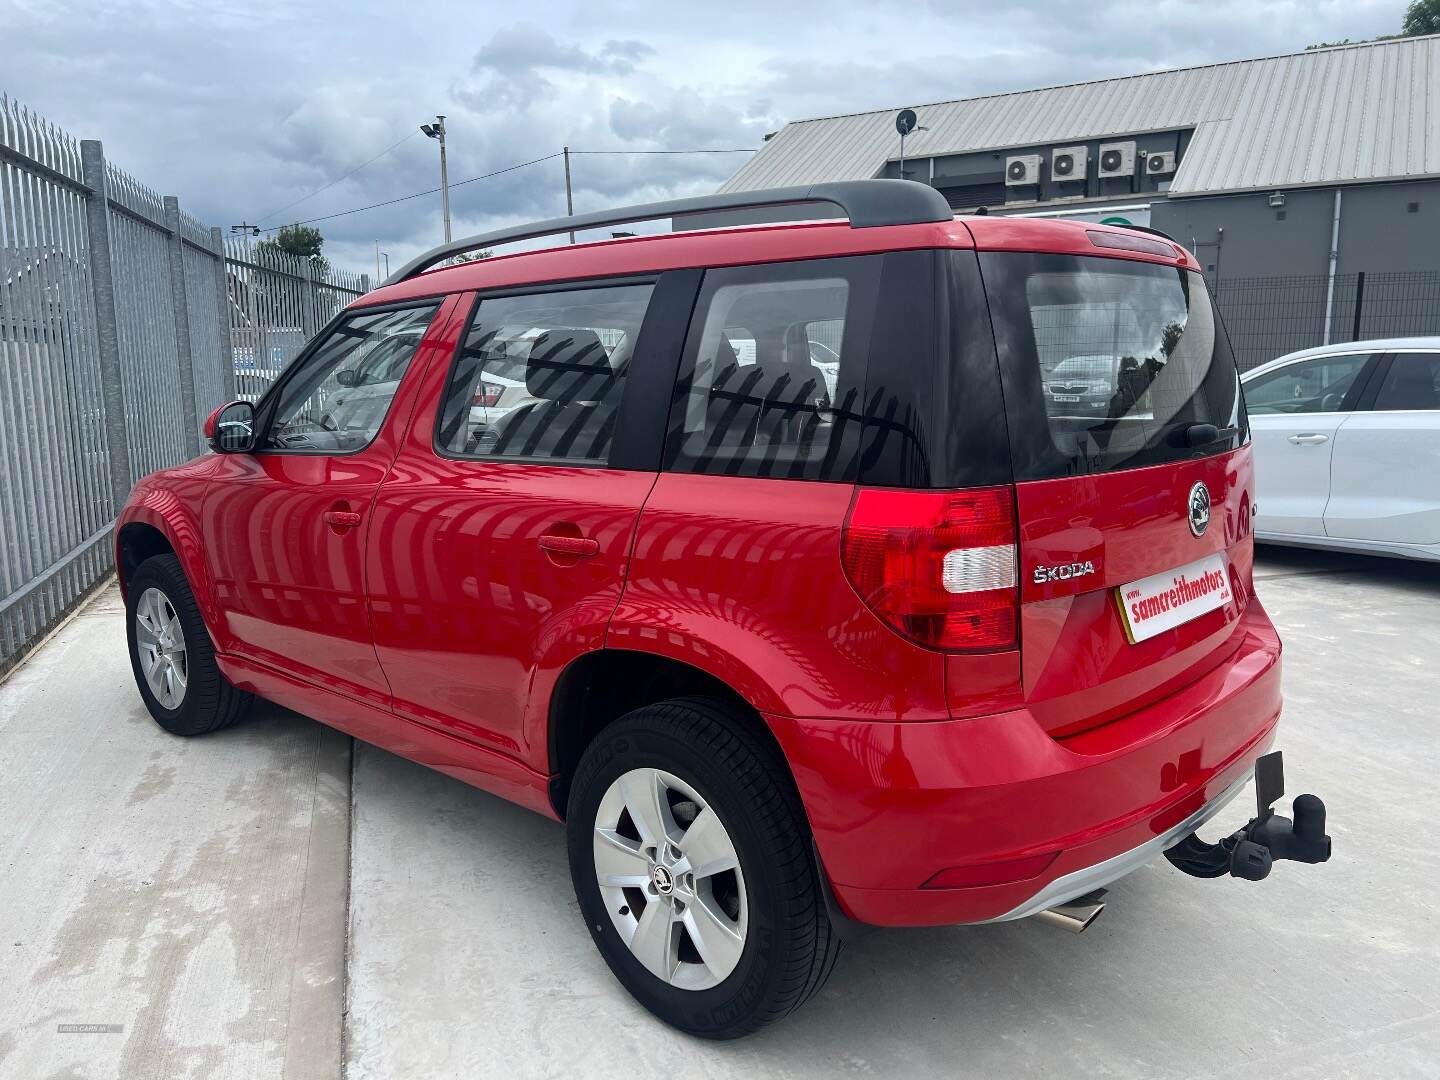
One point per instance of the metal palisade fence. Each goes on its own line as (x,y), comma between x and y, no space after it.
(1269,317)
(123,322)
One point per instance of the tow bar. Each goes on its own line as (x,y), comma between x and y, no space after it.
(1268,838)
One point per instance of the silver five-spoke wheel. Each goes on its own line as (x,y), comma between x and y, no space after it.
(160,643)
(670,877)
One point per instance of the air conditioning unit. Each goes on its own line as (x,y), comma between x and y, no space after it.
(1116,159)
(1160,164)
(1068,163)
(1022,169)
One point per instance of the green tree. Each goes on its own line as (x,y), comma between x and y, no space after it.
(301,241)
(1421,17)
(473,256)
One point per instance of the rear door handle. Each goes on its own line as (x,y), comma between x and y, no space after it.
(341,519)
(1313,439)
(569,545)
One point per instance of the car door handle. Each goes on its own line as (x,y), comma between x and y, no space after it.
(341,519)
(569,545)
(1313,439)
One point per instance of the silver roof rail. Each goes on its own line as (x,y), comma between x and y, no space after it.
(867,204)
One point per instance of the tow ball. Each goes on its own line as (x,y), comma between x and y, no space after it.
(1268,838)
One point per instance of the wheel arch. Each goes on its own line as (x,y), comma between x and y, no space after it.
(600,686)
(158,522)
(136,541)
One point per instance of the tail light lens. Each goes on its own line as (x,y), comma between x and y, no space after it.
(487,395)
(937,566)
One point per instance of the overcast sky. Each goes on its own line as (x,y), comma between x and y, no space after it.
(242,108)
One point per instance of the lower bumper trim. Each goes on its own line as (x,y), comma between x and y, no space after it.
(1078,883)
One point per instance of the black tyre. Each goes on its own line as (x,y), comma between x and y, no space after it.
(692,864)
(172,655)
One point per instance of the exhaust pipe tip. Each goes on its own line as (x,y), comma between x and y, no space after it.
(1076,915)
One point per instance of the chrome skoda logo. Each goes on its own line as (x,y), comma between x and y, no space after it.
(1199,509)
(661,879)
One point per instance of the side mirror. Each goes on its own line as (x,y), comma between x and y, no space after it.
(230,429)
(347,377)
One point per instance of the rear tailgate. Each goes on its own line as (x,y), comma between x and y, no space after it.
(1104,491)
(1079,666)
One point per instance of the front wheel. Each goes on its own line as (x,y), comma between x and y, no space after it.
(691,860)
(171,653)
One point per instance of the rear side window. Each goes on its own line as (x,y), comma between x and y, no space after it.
(1108,364)
(539,376)
(1412,383)
(773,371)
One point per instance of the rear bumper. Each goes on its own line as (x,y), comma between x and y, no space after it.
(892,804)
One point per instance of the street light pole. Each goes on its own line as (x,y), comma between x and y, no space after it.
(437,131)
(569,198)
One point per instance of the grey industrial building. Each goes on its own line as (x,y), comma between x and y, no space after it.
(1263,167)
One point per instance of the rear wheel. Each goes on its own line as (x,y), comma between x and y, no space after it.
(172,656)
(691,860)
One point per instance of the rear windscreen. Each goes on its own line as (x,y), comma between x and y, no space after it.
(1109,364)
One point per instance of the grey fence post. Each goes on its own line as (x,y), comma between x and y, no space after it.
(102,280)
(222,292)
(364,284)
(307,298)
(182,324)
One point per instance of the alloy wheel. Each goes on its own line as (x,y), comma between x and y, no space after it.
(160,643)
(670,878)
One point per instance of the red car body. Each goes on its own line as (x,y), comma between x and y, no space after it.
(437,607)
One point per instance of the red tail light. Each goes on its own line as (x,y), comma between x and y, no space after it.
(937,566)
(487,394)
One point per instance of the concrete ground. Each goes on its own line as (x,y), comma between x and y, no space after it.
(195,894)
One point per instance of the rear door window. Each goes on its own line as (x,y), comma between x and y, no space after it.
(540,376)
(1109,363)
(1411,384)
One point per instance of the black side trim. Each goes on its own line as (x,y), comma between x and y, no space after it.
(1373,379)
(644,415)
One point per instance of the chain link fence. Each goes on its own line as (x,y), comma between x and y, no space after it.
(1269,317)
(123,322)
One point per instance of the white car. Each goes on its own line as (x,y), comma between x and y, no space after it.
(1347,447)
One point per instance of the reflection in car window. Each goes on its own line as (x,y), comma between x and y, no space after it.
(540,375)
(762,374)
(1412,383)
(1129,357)
(1309,386)
(337,400)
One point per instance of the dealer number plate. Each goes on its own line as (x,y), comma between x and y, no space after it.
(1163,601)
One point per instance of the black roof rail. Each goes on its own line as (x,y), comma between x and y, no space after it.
(867,204)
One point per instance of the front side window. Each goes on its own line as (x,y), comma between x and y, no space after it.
(540,375)
(1109,363)
(337,399)
(1413,382)
(1307,386)
(772,372)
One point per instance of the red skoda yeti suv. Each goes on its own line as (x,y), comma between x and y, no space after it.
(892,569)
